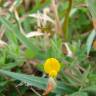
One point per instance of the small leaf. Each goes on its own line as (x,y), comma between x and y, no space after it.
(90,41)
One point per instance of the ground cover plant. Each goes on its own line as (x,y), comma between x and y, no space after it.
(47,47)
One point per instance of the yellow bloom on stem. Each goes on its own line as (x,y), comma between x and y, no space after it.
(52,67)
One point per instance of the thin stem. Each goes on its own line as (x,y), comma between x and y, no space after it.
(35,91)
(66,21)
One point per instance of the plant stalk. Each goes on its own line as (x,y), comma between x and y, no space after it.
(66,21)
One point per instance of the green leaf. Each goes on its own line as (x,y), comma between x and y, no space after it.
(18,34)
(90,41)
(37,81)
(92,7)
(12,38)
(39,5)
(79,94)
(90,88)
(17,3)
(9,66)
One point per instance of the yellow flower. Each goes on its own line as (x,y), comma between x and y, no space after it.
(52,67)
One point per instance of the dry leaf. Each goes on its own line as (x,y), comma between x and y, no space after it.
(94,44)
(33,34)
(2,44)
(94,24)
(67,50)
(42,16)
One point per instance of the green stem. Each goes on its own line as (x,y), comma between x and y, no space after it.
(66,21)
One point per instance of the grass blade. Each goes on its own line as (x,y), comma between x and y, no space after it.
(37,81)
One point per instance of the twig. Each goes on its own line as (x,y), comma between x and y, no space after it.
(35,91)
